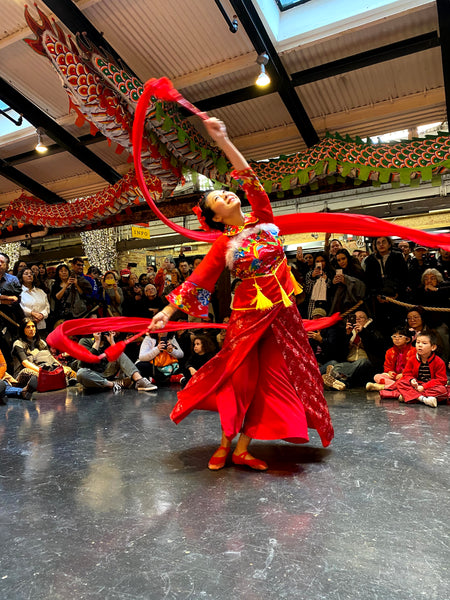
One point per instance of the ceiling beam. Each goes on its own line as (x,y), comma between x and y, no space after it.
(29,184)
(361,60)
(261,41)
(443,11)
(39,118)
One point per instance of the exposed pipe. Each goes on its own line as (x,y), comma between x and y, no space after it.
(232,25)
(26,236)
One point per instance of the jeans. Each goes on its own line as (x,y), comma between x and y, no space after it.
(354,374)
(91,379)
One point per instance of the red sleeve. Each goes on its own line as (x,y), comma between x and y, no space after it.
(193,295)
(409,370)
(255,193)
(439,375)
(389,361)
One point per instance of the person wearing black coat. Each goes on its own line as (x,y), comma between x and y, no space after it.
(386,275)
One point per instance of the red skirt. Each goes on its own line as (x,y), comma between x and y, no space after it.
(265,381)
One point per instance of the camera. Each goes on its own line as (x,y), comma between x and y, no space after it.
(351,319)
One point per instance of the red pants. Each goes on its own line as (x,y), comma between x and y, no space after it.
(410,394)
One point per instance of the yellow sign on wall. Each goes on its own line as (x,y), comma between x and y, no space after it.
(142,233)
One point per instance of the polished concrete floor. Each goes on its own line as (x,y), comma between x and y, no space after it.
(103,497)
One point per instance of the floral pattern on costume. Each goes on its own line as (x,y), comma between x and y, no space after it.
(191,299)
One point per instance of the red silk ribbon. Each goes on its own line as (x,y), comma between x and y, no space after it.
(60,337)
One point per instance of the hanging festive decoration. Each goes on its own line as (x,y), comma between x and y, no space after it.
(100,248)
(13,250)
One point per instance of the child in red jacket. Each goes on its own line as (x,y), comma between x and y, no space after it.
(425,376)
(394,361)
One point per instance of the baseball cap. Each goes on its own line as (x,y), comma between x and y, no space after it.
(318,312)
(125,273)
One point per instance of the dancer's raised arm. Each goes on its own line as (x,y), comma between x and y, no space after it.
(218,131)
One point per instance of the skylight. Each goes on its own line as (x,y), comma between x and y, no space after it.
(286,4)
(9,119)
(295,22)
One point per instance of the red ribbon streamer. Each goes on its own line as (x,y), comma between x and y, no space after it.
(59,338)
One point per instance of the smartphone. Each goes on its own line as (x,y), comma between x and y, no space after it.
(339,272)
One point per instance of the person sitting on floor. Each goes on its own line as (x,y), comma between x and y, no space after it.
(9,387)
(425,377)
(202,350)
(366,349)
(159,356)
(394,361)
(102,375)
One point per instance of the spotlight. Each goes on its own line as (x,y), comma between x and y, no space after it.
(40,147)
(263,79)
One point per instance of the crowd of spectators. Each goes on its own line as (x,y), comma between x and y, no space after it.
(372,345)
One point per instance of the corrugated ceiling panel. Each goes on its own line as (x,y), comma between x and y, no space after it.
(12,18)
(168,37)
(33,75)
(385,81)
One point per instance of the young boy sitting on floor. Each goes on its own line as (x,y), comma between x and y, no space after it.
(425,376)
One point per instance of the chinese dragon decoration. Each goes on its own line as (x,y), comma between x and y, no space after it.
(103,94)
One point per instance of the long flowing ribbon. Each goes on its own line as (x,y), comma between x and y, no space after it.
(60,337)
(295,223)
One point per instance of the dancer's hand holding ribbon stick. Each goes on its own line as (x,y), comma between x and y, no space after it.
(161,319)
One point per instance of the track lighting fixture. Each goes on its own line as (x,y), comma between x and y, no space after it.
(40,147)
(263,79)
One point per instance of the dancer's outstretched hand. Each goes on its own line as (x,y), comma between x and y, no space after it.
(159,321)
(216,129)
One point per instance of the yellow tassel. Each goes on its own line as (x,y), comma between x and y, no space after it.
(262,302)
(286,300)
(297,287)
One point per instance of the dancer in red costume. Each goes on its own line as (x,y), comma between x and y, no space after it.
(265,382)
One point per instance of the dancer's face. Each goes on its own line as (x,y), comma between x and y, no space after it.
(224,204)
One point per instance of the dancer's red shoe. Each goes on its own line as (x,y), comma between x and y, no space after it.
(253,463)
(218,462)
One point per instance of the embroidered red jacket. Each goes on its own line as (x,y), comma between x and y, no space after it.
(437,371)
(396,358)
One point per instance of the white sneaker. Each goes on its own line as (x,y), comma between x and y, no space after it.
(144,385)
(429,401)
(116,388)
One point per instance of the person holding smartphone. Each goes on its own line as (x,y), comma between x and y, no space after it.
(318,284)
(348,286)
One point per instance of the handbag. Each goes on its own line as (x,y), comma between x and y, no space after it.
(49,380)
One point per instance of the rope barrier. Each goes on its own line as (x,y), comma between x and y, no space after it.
(352,309)
(406,305)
